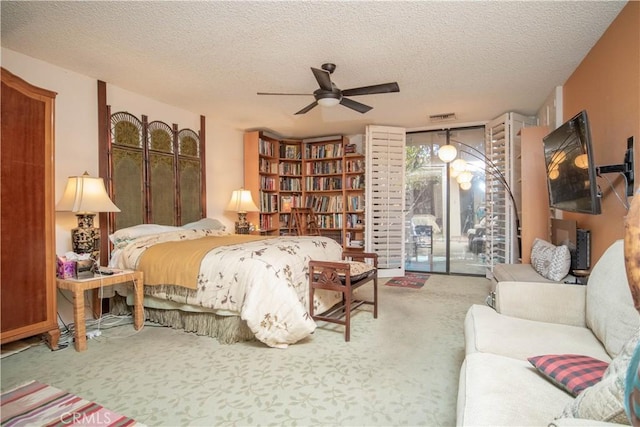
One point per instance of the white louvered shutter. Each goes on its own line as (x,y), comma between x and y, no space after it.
(384,197)
(502,146)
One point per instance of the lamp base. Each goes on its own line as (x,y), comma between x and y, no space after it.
(85,239)
(242,226)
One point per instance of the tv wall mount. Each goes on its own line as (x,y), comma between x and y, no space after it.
(625,168)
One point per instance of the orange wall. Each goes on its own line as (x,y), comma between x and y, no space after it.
(607,85)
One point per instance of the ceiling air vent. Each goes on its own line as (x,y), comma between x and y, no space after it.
(444,117)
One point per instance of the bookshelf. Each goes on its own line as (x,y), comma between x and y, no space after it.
(325,174)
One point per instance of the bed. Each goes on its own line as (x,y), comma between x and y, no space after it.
(243,287)
(258,281)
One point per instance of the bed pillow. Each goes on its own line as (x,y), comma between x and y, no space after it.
(130,233)
(550,261)
(570,372)
(205,224)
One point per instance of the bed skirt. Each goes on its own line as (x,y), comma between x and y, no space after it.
(226,329)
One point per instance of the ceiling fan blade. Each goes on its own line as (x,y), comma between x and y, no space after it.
(308,107)
(370,90)
(354,105)
(324,78)
(279,93)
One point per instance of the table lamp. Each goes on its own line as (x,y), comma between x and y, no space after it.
(242,203)
(86,196)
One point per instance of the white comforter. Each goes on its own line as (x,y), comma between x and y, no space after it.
(265,282)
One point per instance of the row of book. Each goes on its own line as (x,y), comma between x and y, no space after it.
(290,168)
(267,183)
(265,147)
(290,151)
(324,203)
(290,201)
(322,151)
(324,168)
(267,166)
(354,166)
(323,183)
(290,184)
(355,203)
(355,182)
(266,222)
(268,202)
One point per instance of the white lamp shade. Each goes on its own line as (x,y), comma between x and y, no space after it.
(465,176)
(241,201)
(465,185)
(447,153)
(86,194)
(459,164)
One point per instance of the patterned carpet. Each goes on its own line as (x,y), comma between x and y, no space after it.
(400,369)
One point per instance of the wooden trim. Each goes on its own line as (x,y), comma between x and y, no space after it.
(203,168)
(103,166)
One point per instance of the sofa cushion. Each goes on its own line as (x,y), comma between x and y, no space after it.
(500,391)
(517,273)
(551,261)
(610,313)
(487,331)
(571,372)
(605,400)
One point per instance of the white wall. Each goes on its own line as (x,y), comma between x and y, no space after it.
(76,134)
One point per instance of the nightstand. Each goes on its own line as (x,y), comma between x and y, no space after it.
(78,286)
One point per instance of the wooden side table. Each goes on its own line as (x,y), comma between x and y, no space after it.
(78,286)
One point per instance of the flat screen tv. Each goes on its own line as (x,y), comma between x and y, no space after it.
(571,171)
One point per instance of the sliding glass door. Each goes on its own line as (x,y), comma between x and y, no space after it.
(445,202)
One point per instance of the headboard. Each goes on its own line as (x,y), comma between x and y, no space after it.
(155,173)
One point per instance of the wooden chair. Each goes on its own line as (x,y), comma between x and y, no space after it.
(303,222)
(344,277)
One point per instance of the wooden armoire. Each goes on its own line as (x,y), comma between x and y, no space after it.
(27,227)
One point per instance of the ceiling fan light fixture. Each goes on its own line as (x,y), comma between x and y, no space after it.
(328,102)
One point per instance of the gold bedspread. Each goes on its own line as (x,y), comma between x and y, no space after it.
(178,263)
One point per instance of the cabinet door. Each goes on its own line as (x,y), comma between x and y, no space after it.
(27,209)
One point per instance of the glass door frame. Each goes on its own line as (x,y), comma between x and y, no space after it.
(471,262)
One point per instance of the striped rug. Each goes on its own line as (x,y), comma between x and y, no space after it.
(37,404)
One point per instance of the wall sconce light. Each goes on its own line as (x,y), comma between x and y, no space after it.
(242,202)
(86,196)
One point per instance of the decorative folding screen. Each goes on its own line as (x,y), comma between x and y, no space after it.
(385,158)
(156,172)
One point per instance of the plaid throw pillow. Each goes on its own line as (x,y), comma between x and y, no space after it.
(570,372)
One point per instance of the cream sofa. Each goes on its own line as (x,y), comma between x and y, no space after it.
(499,387)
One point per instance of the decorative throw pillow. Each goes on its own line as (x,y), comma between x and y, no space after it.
(550,261)
(571,372)
(605,400)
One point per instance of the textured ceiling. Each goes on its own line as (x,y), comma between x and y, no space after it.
(478,59)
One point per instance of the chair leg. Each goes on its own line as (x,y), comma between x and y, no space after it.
(375,297)
(347,318)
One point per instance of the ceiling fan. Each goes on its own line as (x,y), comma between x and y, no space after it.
(329,94)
